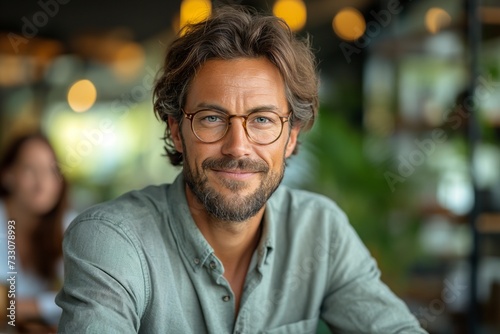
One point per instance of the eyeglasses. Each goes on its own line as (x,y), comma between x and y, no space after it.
(261,127)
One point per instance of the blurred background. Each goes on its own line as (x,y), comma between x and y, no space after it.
(406,142)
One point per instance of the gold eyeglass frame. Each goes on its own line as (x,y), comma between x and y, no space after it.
(190,116)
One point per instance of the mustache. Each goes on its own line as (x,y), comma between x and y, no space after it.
(227,163)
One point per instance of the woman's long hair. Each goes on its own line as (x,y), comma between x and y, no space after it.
(46,240)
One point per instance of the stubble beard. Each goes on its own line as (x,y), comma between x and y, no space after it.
(234,207)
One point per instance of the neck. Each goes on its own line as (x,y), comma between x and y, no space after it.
(232,241)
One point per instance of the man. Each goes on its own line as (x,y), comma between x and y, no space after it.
(224,249)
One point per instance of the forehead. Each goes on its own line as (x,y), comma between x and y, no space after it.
(35,150)
(237,82)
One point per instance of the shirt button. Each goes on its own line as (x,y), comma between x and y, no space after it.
(226,298)
(213,265)
(196,260)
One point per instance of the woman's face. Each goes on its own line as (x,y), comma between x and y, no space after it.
(33,179)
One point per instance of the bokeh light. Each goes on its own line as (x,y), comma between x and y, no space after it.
(436,19)
(349,24)
(194,11)
(129,60)
(82,95)
(294,13)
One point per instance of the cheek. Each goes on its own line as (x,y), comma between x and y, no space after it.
(24,191)
(47,197)
(54,186)
(192,155)
(273,156)
(47,185)
(24,183)
(196,152)
(197,157)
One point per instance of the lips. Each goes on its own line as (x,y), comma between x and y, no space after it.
(235,166)
(235,174)
(235,171)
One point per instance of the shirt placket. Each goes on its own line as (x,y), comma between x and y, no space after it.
(224,297)
(248,302)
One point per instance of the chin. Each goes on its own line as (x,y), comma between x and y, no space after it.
(234,185)
(42,208)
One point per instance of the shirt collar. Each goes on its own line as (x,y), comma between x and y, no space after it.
(190,239)
(187,235)
(266,244)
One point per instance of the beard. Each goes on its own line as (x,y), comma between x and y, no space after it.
(234,207)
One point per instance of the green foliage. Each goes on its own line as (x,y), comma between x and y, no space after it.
(343,172)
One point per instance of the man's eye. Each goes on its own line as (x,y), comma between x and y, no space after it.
(262,119)
(212,119)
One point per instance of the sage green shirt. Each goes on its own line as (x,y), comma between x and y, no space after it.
(139,264)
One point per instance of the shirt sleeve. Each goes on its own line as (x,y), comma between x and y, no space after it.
(357,301)
(104,288)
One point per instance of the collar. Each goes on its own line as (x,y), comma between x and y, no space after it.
(187,235)
(191,241)
(266,244)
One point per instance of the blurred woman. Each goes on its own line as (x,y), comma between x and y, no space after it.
(33,193)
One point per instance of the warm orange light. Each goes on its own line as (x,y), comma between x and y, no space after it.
(436,19)
(82,95)
(194,11)
(349,24)
(294,13)
(128,61)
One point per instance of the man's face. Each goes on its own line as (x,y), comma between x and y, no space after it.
(234,177)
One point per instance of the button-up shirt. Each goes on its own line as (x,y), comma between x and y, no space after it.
(139,264)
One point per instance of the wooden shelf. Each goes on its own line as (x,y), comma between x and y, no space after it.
(488,223)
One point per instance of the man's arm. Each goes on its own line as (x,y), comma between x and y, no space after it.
(357,300)
(104,287)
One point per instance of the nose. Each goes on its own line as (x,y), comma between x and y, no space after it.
(236,143)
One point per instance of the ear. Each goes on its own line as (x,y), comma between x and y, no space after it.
(175,131)
(292,141)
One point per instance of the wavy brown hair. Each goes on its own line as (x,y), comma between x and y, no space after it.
(46,239)
(229,33)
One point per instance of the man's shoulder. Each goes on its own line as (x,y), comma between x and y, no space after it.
(301,212)
(299,199)
(149,203)
(302,220)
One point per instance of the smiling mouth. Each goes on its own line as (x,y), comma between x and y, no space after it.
(236,171)
(237,174)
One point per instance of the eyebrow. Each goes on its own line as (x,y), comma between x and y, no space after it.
(204,105)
